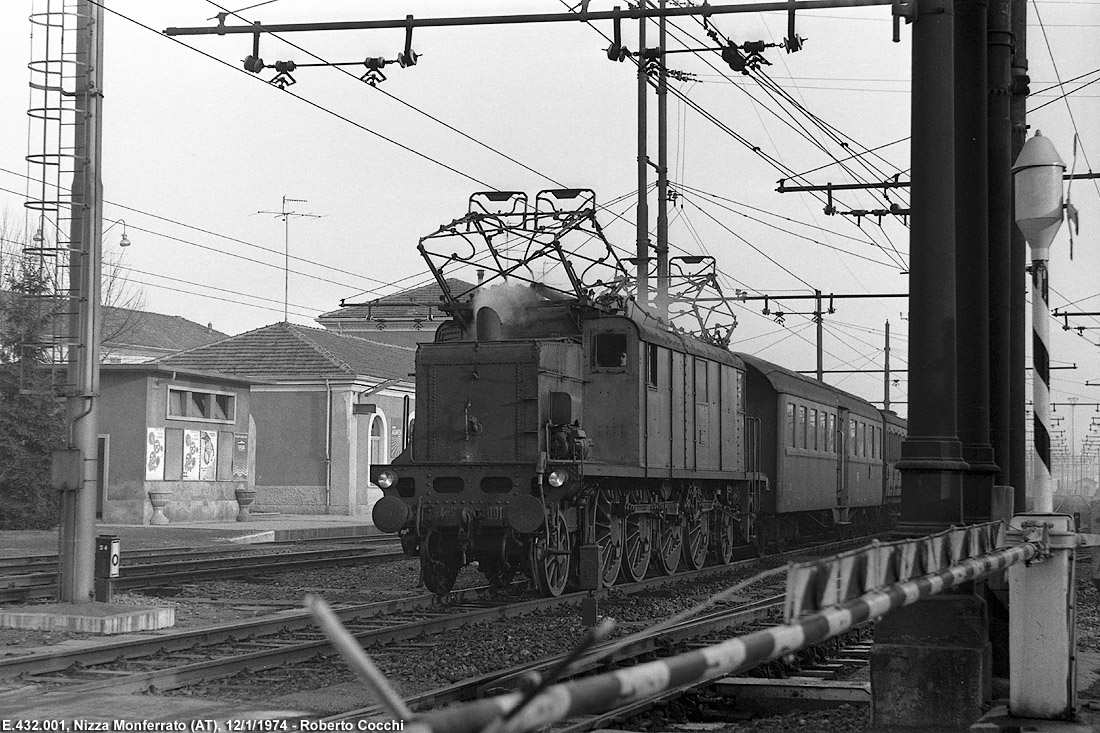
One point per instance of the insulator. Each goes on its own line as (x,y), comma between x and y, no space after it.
(616,52)
(253,64)
(374,62)
(736,60)
(285,67)
(407,60)
(753,46)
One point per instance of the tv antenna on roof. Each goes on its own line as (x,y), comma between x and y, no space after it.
(286,245)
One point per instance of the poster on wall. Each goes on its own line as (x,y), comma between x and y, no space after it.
(154,454)
(191,447)
(208,455)
(240,456)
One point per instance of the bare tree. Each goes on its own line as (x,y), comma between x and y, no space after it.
(123,302)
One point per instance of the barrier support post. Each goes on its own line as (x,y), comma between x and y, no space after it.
(1042,614)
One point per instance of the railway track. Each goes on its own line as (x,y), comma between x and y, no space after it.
(815,662)
(34,577)
(165,661)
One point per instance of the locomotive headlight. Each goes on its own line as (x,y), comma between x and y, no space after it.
(557,478)
(386,479)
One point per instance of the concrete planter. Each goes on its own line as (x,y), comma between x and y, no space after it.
(245,497)
(159,500)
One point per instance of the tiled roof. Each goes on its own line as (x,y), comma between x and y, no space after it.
(428,294)
(284,351)
(136,328)
(393,336)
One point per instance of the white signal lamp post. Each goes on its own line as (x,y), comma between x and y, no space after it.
(1038,180)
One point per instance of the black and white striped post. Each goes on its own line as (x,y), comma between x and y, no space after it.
(1038,178)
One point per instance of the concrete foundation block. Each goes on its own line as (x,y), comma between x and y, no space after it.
(91,618)
(930,665)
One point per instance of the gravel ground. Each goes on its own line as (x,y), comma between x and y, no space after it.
(325,685)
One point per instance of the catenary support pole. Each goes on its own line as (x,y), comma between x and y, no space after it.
(76,535)
(971,256)
(914,647)
(1018,331)
(662,169)
(642,250)
(886,370)
(1000,229)
(819,318)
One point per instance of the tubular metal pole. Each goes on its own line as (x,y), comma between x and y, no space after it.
(819,316)
(1040,325)
(76,536)
(286,263)
(642,253)
(662,173)
(886,371)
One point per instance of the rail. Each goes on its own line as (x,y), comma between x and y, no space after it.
(825,598)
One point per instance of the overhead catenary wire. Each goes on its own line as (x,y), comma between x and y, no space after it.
(185,44)
(772,160)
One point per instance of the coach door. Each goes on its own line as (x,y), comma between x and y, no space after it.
(843,450)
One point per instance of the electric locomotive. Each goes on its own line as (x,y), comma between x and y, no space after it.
(549,427)
(570,435)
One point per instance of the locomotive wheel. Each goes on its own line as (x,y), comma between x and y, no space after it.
(550,554)
(725,535)
(495,565)
(670,543)
(696,529)
(609,537)
(637,546)
(440,560)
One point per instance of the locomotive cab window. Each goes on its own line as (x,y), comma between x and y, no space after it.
(609,351)
(651,365)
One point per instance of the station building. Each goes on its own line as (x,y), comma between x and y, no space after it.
(174,444)
(325,407)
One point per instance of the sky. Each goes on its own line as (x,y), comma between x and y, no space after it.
(198,153)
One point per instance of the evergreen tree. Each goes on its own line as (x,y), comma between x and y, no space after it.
(31,417)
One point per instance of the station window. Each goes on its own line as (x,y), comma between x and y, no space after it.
(609,351)
(184,404)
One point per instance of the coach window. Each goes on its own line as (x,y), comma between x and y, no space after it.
(830,433)
(800,434)
(861,441)
(852,437)
(791,428)
(651,365)
(811,443)
(610,351)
